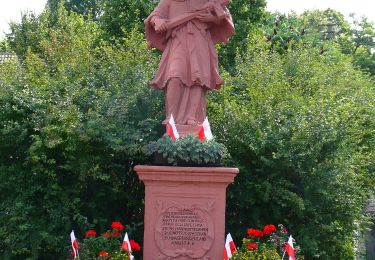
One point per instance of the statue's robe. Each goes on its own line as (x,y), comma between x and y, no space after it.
(189,55)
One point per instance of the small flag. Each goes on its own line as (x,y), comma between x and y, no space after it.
(290,249)
(171,129)
(204,131)
(127,247)
(229,248)
(74,244)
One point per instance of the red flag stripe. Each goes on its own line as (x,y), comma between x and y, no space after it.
(201,135)
(170,132)
(229,247)
(225,257)
(232,247)
(289,249)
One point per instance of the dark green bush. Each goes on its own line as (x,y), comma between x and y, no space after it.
(75,112)
(74,118)
(188,150)
(299,127)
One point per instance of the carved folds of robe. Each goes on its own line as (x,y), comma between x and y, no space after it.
(189,64)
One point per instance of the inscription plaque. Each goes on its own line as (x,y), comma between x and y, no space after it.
(184,231)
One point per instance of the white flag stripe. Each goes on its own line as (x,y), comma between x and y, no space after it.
(174,128)
(228,242)
(72,236)
(126,240)
(227,246)
(290,242)
(74,244)
(207,129)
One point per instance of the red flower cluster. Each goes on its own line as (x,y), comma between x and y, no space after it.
(134,245)
(255,233)
(252,246)
(107,234)
(117,225)
(269,229)
(90,233)
(103,254)
(116,234)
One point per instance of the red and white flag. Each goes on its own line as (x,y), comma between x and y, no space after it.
(229,248)
(172,129)
(290,249)
(74,244)
(127,247)
(204,131)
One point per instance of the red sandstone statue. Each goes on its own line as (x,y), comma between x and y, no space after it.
(187,31)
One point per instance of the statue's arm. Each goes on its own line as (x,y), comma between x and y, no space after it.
(159,16)
(215,11)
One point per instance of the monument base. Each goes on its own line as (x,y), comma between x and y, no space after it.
(184,211)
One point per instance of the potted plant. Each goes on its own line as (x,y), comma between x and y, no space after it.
(187,151)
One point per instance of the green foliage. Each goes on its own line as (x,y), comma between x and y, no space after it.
(262,253)
(283,32)
(75,116)
(316,21)
(76,111)
(355,37)
(119,17)
(246,16)
(299,126)
(362,44)
(4,46)
(188,150)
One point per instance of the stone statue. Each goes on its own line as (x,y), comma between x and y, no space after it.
(186,31)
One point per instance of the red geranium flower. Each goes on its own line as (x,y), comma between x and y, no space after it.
(116,234)
(117,225)
(269,229)
(90,233)
(107,234)
(134,245)
(252,246)
(254,233)
(103,253)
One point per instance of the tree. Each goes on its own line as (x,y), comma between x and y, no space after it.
(355,37)
(247,14)
(119,17)
(316,21)
(90,8)
(76,110)
(75,116)
(299,129)
(362,43)
(4,46)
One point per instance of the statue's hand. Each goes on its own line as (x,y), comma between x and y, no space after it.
(160,25)
(207,17)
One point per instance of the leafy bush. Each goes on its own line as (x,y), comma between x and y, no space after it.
(298,126)
(75,115)
(261,252)
(188,150)
(75,112)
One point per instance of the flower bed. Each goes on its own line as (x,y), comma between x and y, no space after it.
(106,245)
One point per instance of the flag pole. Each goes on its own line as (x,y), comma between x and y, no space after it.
(283,255)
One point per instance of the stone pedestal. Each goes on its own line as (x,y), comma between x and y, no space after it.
(184,211)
